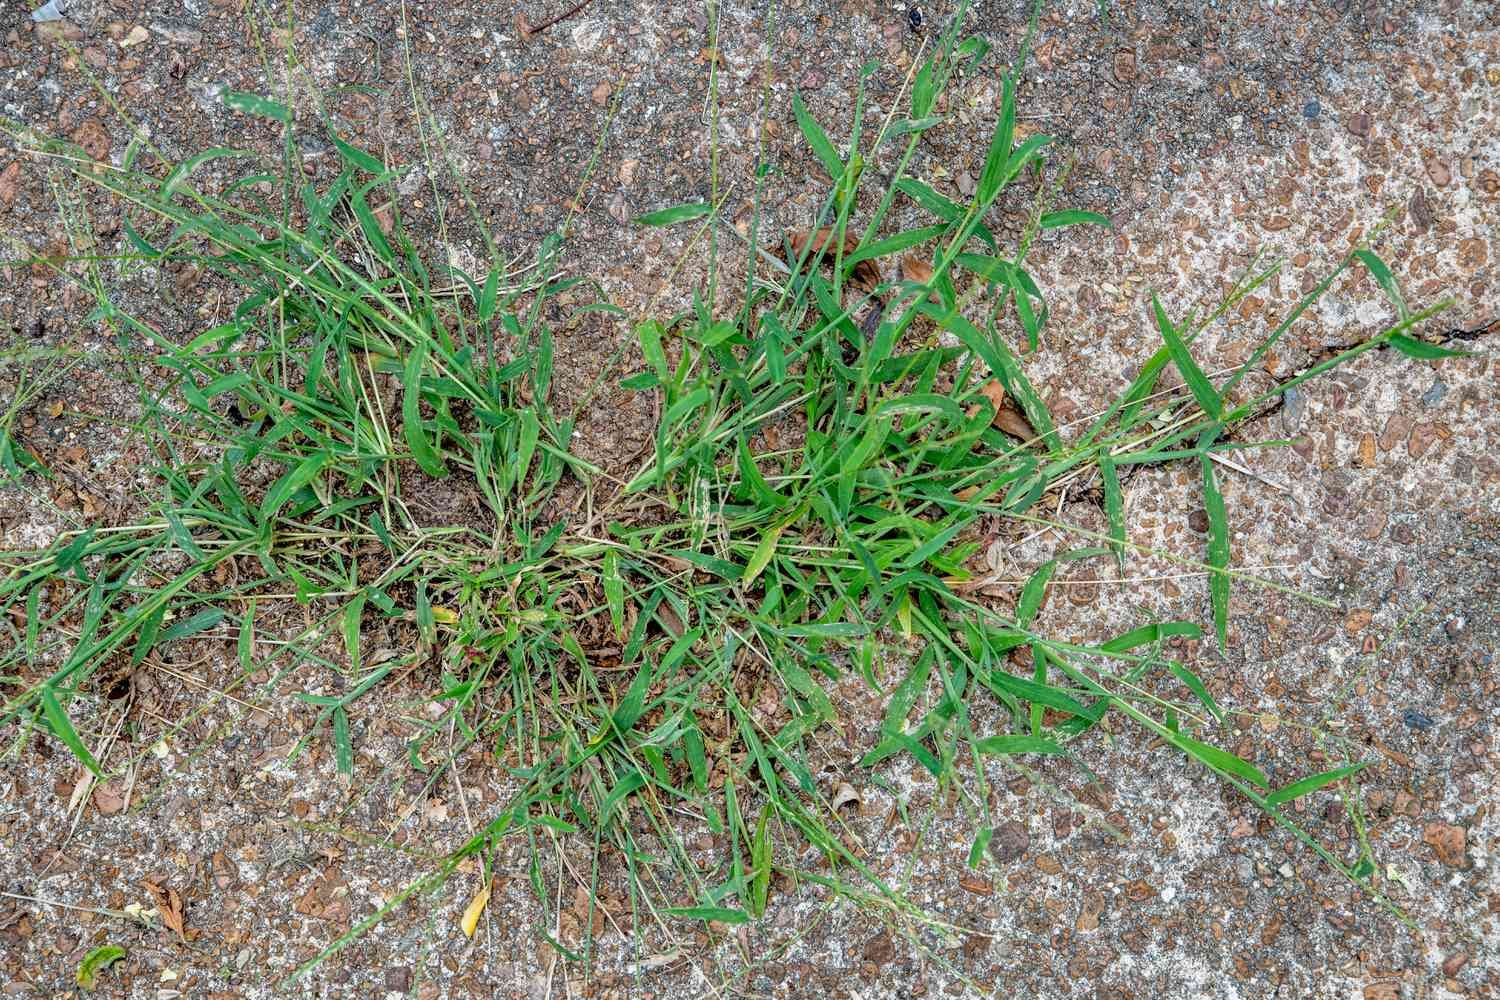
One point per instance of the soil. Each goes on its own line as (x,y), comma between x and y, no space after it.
(1211,135)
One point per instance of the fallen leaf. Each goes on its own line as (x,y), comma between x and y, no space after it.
(1448,843)
(844,794)
(1008,418)
(169,903)
(436,811)
(476,907)
(523,26)
(108,798)
(866,272)
(915,269)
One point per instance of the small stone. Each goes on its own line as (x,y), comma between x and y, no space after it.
(93,139)
(1422,437)
(1198,521)
(1276,223)
(10,184)
(1439,172)
(1366,456)
(1455,962)
(1420,210)
(1311,110)
(398,979)
(1293,407)
(1357,621)
(1416,720)
(1435,395)
(1139,891)
(600,94)
(880,949)
(1358,124)
(1125,65)
(1396,429)
(627,171)
(1448,842)
(1009,842)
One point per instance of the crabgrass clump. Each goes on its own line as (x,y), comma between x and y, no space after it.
(808,505)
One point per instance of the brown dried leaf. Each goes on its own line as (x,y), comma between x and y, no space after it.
(109,798)
(1013,422)
(914,268)
(523,26)
(845,794)
(820,241)
(1008,417)
(1448,842)
(169,903)
(867,275)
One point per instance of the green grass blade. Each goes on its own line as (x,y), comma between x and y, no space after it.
(674,215)
(822,147)
(1297,789)
(422,450)
(1218,551)
(62,728)
(1197,382)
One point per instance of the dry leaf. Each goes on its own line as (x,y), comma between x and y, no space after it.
(1007,417)
(436,811)
(1448,842)
(866,272)
(80,788)
(845,794)
(523,26)
(169,903)
(108,798)
(1013,422)
(914,268)
(476,906)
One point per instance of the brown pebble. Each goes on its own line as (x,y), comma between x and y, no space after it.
(1454,962)
(1358,124)
(1422,437)
(1448,842)
(1396,429)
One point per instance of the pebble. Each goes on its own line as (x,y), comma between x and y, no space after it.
(1009,842)
(1311,110)
(1439,172)
(1416,720)
(1434,395)
(1293,406)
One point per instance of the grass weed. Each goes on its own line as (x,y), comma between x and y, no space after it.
(661,644)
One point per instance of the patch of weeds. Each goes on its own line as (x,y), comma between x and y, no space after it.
(810,505)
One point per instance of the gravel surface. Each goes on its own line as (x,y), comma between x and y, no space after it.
(1209,133)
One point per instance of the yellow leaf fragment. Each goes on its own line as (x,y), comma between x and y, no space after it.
(476,908)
